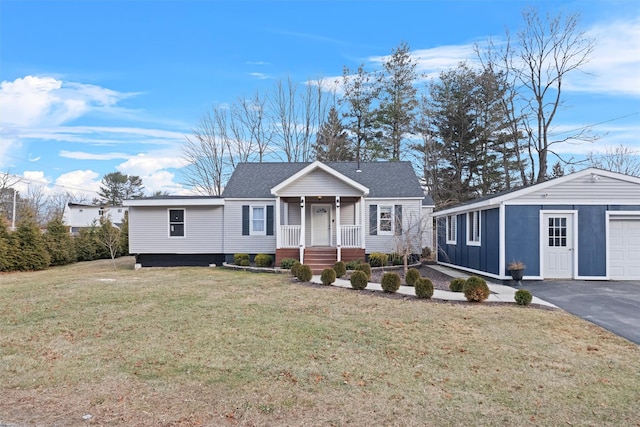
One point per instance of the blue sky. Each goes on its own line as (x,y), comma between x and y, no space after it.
(91,87)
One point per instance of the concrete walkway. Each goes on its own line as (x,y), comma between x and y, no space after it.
(499,293)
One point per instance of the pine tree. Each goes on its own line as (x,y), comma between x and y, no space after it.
(117,187)
(332,143)
(59,243)
(32,253)
(7,249)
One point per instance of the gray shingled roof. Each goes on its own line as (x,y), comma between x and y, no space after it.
(383,179)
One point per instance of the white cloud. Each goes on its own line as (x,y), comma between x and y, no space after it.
(148,163)
(78,182)
(164,181)
(80,155)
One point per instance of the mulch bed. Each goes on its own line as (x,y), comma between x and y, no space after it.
(439,279)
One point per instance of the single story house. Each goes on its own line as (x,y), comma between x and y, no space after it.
(585,226)
(317,212)
(78,216)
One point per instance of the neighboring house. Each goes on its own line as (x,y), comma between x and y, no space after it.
(79,216)
(585,225)
(315,212)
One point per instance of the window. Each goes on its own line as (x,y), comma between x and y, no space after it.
(119,210)
(557,232)
(473,228)
(101,212)
(451,230)
(258,220)
(176,222)
(385,220)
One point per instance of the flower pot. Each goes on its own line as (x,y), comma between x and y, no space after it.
(517,276)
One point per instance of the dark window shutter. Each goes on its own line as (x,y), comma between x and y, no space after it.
(398,216)
(245,220)
(373,220)
(269,220)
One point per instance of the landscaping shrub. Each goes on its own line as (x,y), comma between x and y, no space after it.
(366,268)
(304,273)
(391,282)
(358,280)
(476,289)
(457,284)
(295,267)
(397,259)
(412,276)
(378,259)
(59,243)
(30,245)
(353,264)
(426,253)
(328,276)
(263,260)
(424,288)
(241,259)
(287,263)
(340,268)
(523,297)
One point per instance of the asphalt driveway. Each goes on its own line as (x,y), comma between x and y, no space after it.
(614,306)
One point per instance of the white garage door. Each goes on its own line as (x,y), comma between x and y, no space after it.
(624,248)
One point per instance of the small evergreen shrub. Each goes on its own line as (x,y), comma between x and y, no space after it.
(241,259)
(426,253)
(523,297)
(476,289)
(287,263)
(457,284)
(412,276)
(328,276)
(358,280)
(295,267)
(397,259)
(304,273)
(366,268)
(424,288)
(352,265)
(391,282)
(263,260)
(340,268)
(378,259)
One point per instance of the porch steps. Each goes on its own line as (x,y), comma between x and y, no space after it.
(320,258)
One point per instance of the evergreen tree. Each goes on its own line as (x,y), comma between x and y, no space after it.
(31,248)
(60,243)
(332,143)
(124,235)
(117,187)
(7,248)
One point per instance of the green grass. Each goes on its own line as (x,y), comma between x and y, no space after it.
(200,346)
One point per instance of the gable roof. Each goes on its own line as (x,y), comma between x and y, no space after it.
(319,165)
(383,179)
(505,196)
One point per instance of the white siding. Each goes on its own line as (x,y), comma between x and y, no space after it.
(149,230)
(85,216)
(586,190)
(318,183)
(411,218)
(234,241)
(427,227)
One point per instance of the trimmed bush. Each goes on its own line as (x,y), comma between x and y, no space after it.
(476,289)
(295,267)
(328,276)
(287,263)
(412,276)
(358,280)
(523,297)
(378,259)
(304,273)
(457,284)
(391,282)
(352,265)
(241,259)
(340,268)
(366,268)
(397,259)
(263,260)
(424,288)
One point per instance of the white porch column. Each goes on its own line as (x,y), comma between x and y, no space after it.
(302,228)
(338,229)
(277,224)
(362,223)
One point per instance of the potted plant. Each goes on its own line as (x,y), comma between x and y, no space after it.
(516,268)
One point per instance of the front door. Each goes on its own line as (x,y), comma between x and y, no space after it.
(557,246)
(320,225)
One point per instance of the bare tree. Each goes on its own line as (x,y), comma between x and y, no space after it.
(109,237)
(252,132)
(619,159)
(408,238)
(9,195)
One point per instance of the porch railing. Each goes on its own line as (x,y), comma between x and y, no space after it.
(289,236)
(351,236)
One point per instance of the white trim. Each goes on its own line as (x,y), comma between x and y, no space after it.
(276,226)
(574,238)
(446,229)
(313,221)
(470,224)
(485,273)
(262,232)
(608,215)
(502,220)
(319,165)
(184,222)
(492,202)
(392,219)
(173,202)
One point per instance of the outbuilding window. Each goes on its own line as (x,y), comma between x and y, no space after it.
(176,222)
(473,228)
(451,230)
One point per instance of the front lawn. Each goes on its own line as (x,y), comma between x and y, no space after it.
(86,345)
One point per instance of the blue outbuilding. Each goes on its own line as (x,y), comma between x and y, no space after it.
(585,225)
